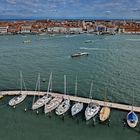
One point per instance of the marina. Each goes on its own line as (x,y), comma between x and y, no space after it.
(76,99)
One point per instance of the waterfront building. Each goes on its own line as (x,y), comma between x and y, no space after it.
(25,29)
(3,29)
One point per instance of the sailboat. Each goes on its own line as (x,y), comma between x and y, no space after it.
(104,112)
(18,99)
(65,105)
(132,118)
(53,104)
(92,109)
(45,99)
(78,106)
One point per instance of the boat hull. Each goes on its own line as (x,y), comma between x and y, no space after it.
(104,113)
(91,111)
(16,100)
(63,107)
(54,103)
(41,102)
(132,119)
(76,108)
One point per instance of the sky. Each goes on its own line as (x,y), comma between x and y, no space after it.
(44,9)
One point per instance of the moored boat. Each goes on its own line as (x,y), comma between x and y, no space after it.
(78,106)
(18,99)
(104,113)
(65,105)
(132,119)
(92,109)
(45,99)
(52,104)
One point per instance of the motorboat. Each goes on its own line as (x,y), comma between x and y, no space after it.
(52,104)
(91,111)
(132,119)
(104,113)
(80,54)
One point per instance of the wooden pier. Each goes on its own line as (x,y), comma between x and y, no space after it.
(74,98)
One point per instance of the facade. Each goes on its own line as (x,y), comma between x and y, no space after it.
(26,29)
(3,29)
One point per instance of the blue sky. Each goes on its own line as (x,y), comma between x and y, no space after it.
(118,9)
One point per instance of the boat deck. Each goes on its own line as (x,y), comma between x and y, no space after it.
(79,99)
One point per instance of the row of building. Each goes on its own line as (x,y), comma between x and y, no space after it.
(72,27)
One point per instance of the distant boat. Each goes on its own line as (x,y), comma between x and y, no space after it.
(88,41)
(65,105)
(104,112)
(54,103)
(80,54)
(78,106)
(46,98)
(92,109)
(132,118)
(18,99)
(27,41)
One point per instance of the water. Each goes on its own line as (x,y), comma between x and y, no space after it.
(113,63)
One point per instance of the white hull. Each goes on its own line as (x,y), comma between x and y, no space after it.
(16,100)
(91,111)
(41,102)
(54,103)
(76,108)
(63,107)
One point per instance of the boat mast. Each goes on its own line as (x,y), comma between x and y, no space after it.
(133,101)
(21,81)
(90,95)
(65,89)
(76,86)
(50,83)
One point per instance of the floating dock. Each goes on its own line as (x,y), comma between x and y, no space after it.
(74,98)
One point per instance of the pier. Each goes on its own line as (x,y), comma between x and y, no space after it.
(75,98)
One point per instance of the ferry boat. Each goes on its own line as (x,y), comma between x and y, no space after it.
(65,105)
(45,99)
(52,104)
(92,109)
(77,107)
(80,54)
(18,99)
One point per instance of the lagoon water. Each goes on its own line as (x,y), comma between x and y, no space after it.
(113,64)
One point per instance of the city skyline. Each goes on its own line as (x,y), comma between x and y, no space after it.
(97,9)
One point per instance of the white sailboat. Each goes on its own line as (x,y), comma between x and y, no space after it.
(132,118)
(18,99)
(92,109)
(45,99)
(53,104)
(78,106)
(65,105)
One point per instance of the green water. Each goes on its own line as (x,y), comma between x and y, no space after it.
(113,63)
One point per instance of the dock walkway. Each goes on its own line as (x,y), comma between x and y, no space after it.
(74,98)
